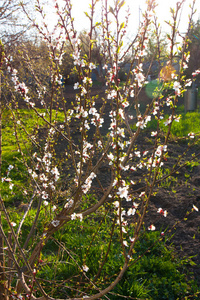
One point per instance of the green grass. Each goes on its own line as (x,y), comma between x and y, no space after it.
(189,122)
(28,120)
(158,274)
(10,147)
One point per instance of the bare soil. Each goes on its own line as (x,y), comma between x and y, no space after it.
(182,224)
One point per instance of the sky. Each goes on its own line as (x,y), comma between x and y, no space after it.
(163,13)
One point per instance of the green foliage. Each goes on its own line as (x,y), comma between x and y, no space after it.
(192,164)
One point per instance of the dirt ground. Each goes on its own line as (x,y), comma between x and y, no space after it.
(178,197)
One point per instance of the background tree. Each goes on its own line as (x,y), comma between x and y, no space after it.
(12,24)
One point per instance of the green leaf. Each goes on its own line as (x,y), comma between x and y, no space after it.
(168,36)
(192,263)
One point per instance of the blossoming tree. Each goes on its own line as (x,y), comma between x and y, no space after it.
(90,142)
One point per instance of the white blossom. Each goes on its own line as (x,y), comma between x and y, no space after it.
(139,78)
(55,223)
(54,207)
(123,192)
(162,212)
(92,66)
(195,208)
(125,243)
(131,211)
(151,227)
(85,268)
(191,135)
(76,85)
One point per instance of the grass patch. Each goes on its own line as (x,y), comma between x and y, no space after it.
(158,274)
(189,122)
(27,123)
(18,129)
